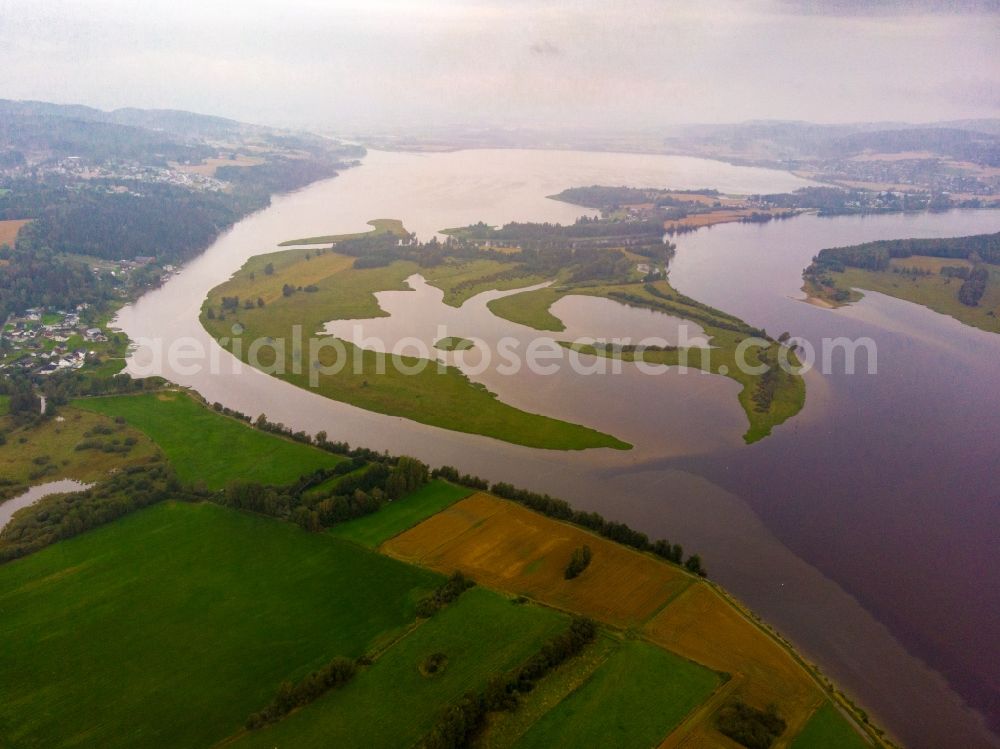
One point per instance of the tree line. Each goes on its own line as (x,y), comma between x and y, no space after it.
(459,724)
(334,674)
(446,593)
(63,516)
(876,255)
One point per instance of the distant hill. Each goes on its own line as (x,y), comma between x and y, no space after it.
(962,145)
(977,141)
(35,132)
(32,131)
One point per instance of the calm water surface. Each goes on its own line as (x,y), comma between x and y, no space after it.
(864,529)
(35,493)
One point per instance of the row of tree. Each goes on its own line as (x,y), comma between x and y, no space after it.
(459,724)
(446,593)
(334,674)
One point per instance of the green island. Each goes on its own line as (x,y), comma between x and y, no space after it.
(273,293)
(767,399)
(621,260)
(283,609)
(454,343)
(958,277)
(380,226)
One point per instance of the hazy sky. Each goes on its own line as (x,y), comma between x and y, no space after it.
(623,64)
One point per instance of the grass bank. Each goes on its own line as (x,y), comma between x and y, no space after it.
(205,446)
(379,226)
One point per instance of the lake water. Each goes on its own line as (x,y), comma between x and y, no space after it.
(864,529)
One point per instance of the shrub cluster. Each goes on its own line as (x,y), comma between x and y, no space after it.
(65,515)
(746,725)
(973,287)
(578,562)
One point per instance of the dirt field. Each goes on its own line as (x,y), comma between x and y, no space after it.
(208,168)
(708,219)
(702,626)
(503,545)
(9,229)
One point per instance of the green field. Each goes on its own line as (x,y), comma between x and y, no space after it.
(635,699)
(4,404)
(392,704)
(169,627)
(503,729)
(827,729)
(382,226)
(206,446)
(444,398)
(396,517)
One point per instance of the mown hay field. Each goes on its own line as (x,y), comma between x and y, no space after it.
(706,628)
(505,546)
(9,230)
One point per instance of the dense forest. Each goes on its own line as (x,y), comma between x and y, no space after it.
(166,221)
(978,249)
(876,255)
(30,278)
(608,198)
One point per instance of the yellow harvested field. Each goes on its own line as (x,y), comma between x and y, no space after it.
(288,269)
(10,228)
(706,628)
(505,546)
(699,220)
(208,168)
(933,264)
